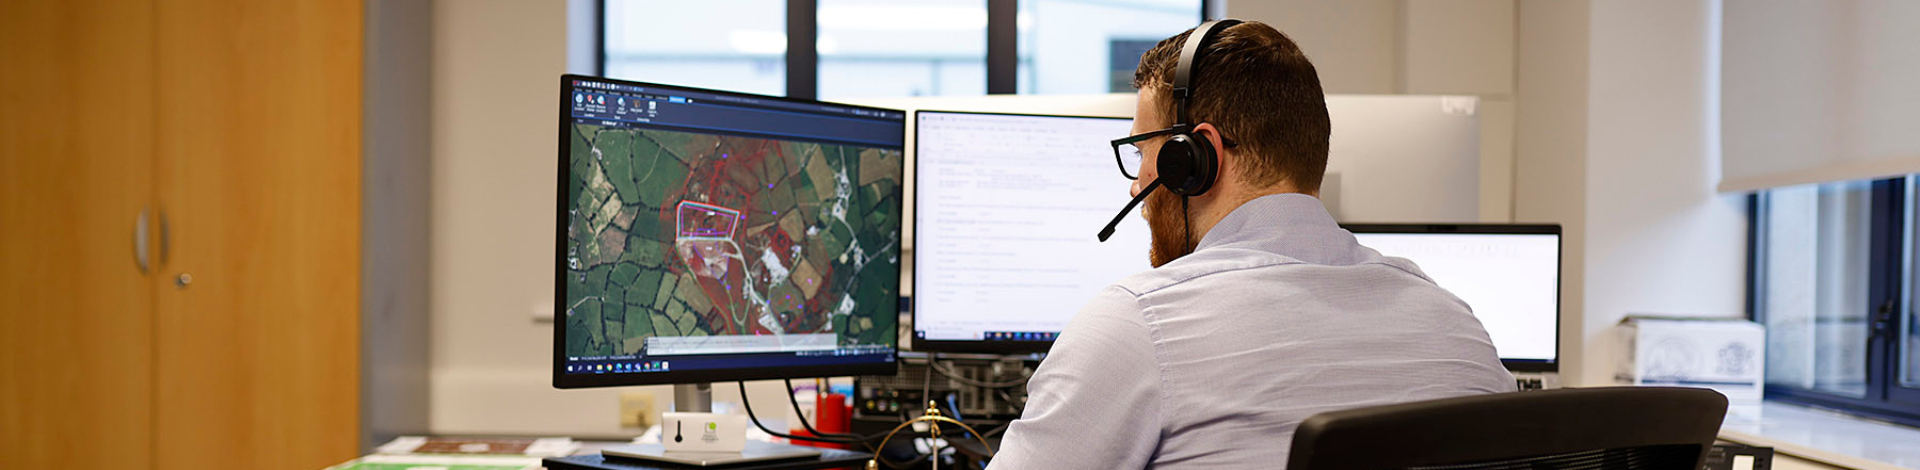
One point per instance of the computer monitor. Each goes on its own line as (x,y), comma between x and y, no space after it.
(1005,210)
(1508,274)
(711,236)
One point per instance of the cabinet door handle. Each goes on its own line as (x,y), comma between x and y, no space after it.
(140,241)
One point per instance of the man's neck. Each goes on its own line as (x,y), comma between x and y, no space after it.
(1205,216)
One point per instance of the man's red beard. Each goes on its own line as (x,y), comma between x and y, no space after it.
(1168,227)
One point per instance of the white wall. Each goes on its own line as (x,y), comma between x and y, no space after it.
(1550,151)
(1457,47)
(490,260)
(1355,44)
(1659,239)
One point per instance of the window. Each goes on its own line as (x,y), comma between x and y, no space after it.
(887,48)
(1908,332)
(735,45)
(1077,46)
(1816,288)
(1832,264)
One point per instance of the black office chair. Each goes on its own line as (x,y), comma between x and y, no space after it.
(1581,428)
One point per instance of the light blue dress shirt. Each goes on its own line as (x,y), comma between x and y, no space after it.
(1212,360)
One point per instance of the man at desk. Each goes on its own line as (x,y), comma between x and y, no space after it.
(1260,311)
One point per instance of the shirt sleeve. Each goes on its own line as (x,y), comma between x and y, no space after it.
(1095,401)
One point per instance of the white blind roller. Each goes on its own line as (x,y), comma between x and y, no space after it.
(1818,91)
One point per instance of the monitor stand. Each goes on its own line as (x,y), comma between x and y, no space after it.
(698,398)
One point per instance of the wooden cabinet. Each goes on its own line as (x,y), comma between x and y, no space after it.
(229,130)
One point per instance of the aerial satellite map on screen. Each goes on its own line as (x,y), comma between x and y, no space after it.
(684,242)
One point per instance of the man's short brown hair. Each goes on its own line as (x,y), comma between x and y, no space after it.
(1260,90)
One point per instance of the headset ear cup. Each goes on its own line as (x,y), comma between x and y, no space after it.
(1206,165)
(1186,165)
(1174,163)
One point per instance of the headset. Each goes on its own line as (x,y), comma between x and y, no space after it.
(1187,163)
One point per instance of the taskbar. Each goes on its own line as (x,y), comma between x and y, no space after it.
(655,364)
(993,336)
(1020,335)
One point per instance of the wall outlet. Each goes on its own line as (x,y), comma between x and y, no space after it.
(637,410)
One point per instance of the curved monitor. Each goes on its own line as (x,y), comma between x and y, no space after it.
(713,236)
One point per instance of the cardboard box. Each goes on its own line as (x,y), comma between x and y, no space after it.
(1726,355)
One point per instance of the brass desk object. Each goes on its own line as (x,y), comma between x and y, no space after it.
(933,417)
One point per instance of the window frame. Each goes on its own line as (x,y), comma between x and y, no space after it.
(1902,302)
(1889,254)
(803,31)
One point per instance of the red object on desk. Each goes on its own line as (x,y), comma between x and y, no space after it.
(832,414)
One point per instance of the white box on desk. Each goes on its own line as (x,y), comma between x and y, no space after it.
(1726,355)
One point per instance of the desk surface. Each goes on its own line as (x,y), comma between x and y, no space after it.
(1828,438)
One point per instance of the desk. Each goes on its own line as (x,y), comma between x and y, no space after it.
(1825,440)
(1788,462)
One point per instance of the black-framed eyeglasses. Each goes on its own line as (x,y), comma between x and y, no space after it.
(1126,150)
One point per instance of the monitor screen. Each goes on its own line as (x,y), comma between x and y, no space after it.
(1508,274)
(712,236)
(1005,211)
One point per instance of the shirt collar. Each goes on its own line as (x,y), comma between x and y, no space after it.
(1291,224)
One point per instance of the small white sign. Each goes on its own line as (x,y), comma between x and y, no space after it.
(703,432)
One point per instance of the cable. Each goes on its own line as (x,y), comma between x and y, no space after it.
(864,441)
(1186,227)
(802,416)
(935,365)
(748,404)
(955,408)
(926,388)
(1008,396)
(1002,428)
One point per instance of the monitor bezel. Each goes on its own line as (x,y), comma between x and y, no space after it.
(1560,240)
(564,380)
(919,344)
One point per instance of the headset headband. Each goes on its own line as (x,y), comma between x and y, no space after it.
(1189,57)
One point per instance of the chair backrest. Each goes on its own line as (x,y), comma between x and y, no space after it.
(1577,428)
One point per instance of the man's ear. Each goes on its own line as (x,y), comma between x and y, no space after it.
(1225,165)
(1212,133)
